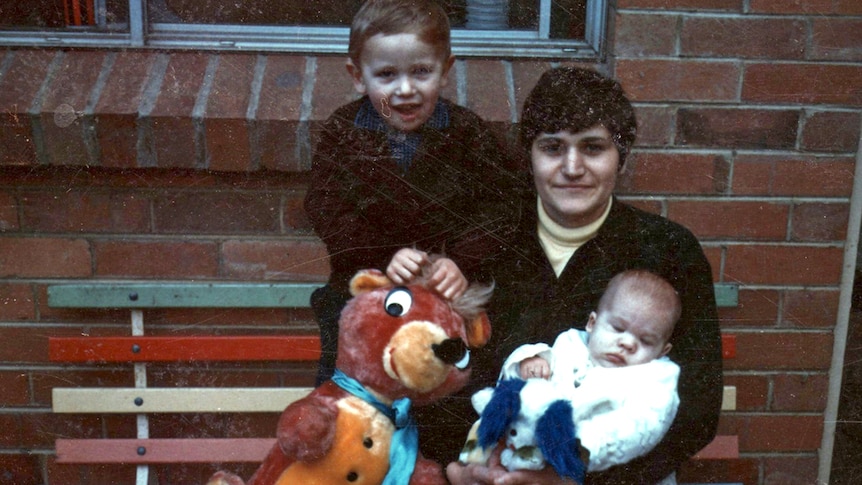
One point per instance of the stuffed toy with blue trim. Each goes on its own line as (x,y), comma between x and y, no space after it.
(536,424)
(398,346)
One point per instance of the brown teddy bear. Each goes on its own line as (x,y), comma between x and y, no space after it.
(398,345)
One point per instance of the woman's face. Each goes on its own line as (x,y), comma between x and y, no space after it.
(575,174)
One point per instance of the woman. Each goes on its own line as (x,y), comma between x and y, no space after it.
(574,236)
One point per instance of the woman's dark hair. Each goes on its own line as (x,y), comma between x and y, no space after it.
(577,99)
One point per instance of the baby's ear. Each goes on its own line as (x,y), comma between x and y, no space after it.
(591,322)
(666,349)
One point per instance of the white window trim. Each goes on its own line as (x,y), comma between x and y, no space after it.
(320,40)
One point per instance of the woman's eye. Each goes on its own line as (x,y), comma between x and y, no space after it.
(551,148)
(398,301)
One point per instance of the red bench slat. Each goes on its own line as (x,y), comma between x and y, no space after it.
(201,450)
(183,348)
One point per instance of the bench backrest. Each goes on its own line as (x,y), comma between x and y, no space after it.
(141,350)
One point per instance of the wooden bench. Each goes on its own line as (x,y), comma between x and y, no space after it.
(141,350)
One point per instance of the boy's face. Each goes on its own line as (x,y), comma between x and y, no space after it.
(631,331)
(403,77)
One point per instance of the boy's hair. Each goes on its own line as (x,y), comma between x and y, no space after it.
(577,99)
(425,18)
(645,283)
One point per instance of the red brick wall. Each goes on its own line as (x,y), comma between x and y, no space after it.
(182,165)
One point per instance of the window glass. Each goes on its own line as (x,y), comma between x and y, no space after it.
(499,28)
(64,15)
(567,17)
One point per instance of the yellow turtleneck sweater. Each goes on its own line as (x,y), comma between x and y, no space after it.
(560,243)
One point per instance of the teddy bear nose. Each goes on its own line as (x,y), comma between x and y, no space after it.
(450,351)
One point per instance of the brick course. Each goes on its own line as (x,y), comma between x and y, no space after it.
(139,164)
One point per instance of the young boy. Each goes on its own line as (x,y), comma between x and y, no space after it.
(401,172)
(621,388)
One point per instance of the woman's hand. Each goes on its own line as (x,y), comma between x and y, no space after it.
(473,474)
(495,474)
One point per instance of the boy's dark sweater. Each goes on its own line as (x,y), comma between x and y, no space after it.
(450,201)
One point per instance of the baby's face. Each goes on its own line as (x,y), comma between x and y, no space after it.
(403,76)
(630,331)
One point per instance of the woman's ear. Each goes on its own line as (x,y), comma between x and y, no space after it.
(356,76)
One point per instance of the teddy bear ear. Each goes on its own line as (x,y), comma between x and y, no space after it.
(367,280)
(478,331)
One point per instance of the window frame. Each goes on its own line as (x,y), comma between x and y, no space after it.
(317,40)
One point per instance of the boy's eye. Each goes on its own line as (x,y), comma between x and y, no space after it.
(422,71)
(385,73)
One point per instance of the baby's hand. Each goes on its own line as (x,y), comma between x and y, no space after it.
(447,279)
(406,265)
(535,367)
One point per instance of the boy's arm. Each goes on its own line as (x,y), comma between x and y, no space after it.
(493,204)
(332,213)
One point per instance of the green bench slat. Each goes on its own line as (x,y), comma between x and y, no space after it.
(223,295)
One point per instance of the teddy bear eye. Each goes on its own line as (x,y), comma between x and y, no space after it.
(398,301)
(352,476)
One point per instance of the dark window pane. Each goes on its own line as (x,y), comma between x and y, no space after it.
(62,14)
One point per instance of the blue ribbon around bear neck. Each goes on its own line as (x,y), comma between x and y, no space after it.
(404,446)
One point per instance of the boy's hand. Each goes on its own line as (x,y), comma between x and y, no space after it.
(406,265)
(447,279)
(535,367)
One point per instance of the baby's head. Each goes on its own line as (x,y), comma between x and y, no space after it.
(400,55)
(634,320)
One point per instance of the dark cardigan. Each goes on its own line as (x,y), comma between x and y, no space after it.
(365,209)
(531,304)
